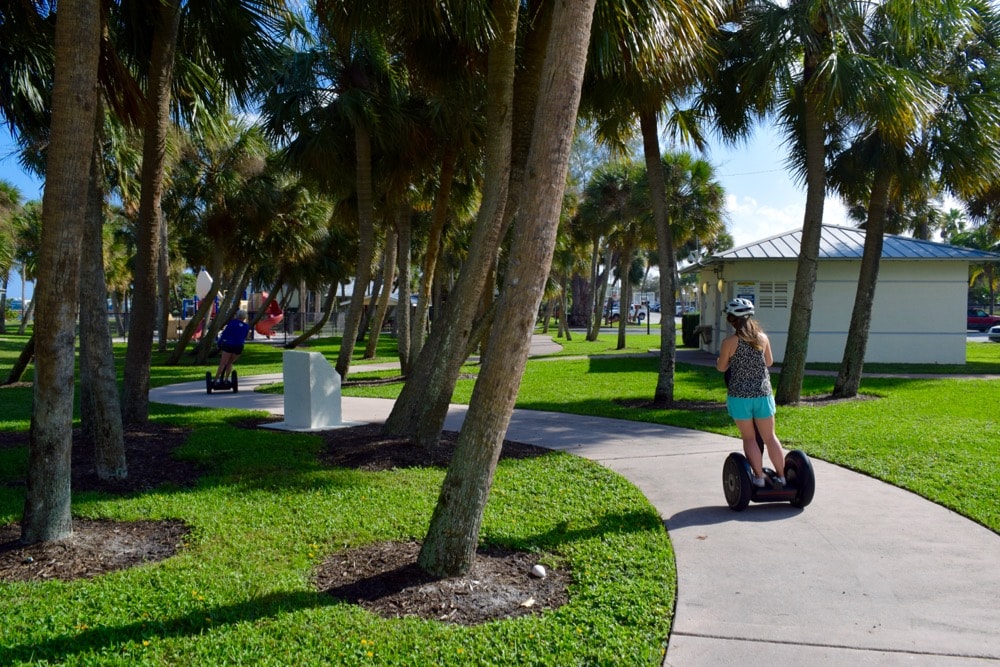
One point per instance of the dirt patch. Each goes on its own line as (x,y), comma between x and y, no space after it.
(828,399)
(643,404)
(94,548)
(367,448)
(383,578)
(149,454)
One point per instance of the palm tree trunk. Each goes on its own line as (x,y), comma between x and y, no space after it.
(116,305)
(200,316)
(624,264)
(438,220)
(227,309)
(331,296)
(47,514)
(450,545)
(27,314)
(388,272)
(800,320)
(403,305)
(564,310)
(422,406)
(23,359)
(100,408)
(849,377)
(597,292)
(366,249)
(664,393)
(3,301)
(163,282)
(135,406)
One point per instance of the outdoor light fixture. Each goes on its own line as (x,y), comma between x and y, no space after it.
(704,288)
(719,285)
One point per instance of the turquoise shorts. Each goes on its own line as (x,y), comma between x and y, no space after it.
(760,407)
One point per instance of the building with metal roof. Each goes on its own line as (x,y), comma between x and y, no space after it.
(919,313)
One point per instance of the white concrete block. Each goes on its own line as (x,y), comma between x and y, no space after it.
(312,393)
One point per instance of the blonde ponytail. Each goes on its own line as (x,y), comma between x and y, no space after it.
(747,329)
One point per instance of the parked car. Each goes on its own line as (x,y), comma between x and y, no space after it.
(637,313)
(994,334)
(980,320)
(654,307)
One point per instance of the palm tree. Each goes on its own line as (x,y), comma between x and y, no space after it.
(236,41)
(345,91)
(607,199)
(421,408)
(791,61)
(981,238)
(28,244)
(10,202)
(935,53)
(642,60)
(74,112)
(100,408)
(450,545)
(694,204)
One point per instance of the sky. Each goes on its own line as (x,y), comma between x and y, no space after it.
(762,199)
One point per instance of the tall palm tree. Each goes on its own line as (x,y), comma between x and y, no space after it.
(100,408)
(613,196)
(805,64)
(237,40)
(74,112)
(450,545)
(785,60)
(642,60)
(935,49)
(10,201)
(28,247)
(693,209)
(421,408)
(981,238)
(345,91)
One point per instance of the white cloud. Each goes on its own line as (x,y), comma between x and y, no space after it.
(750,220)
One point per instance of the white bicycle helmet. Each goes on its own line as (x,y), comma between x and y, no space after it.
(739,308)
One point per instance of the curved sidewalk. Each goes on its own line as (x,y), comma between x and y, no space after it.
(868,574)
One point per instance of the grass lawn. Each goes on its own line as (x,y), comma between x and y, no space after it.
(933,436)
(265,513)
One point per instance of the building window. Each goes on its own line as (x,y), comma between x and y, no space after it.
(773,294)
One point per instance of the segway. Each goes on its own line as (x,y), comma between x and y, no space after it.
(737,478)
(798,489)
(232,383)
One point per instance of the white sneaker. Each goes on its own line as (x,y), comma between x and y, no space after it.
(757,481)
(778,481)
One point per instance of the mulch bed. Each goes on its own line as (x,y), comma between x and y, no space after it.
(383,578)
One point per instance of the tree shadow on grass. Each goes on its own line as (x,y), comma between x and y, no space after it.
(198,622)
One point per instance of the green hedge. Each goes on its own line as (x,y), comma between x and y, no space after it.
(690,322)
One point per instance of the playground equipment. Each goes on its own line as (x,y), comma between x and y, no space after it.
(265,327)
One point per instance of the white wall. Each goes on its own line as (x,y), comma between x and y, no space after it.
(918,315)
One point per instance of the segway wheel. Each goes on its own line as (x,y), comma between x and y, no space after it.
(208,382)
(799,474)
(235,381)
(736,482)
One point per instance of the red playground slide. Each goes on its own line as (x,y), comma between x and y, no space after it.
(272,319)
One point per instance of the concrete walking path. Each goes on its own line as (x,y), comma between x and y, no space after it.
(868,574)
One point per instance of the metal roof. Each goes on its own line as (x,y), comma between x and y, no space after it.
(847,243)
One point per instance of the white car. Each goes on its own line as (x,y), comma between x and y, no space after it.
(994,334)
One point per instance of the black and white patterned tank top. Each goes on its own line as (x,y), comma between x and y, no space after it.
(749,377)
